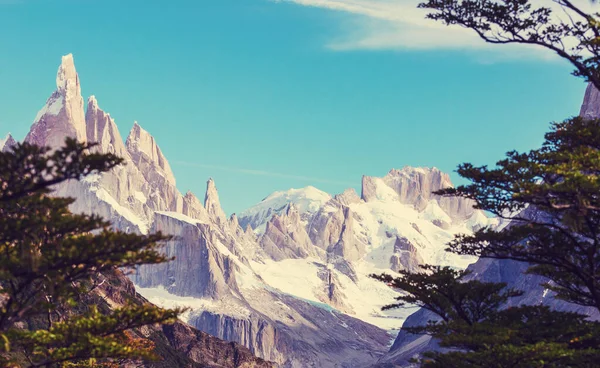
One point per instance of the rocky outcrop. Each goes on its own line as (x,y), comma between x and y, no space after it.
(254,332)
(333,293)
(325,229)
(406,256)
(590,108)
(208,351)
(348,247)
(146,154)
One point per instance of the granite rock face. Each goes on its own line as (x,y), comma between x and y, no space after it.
(206,272)
(406,256)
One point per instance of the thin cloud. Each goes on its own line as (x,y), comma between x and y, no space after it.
(271,174)
(400,25)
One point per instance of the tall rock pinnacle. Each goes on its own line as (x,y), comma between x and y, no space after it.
(212,203)
(101,129)
(63,115)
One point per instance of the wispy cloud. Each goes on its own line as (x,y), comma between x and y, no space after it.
(308,179)
(400,25)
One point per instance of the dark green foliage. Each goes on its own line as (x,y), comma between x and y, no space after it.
(562,182)
(50,257)
(443,291)
(480,333)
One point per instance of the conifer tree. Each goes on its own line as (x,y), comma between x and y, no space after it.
(551,196)
(50,262)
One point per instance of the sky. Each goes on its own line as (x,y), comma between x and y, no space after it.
(266,95)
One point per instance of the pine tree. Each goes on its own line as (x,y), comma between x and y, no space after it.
(51,260)
(478,332)
(550,195)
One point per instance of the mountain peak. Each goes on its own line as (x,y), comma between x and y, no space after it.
(7,143)
(212,203)
(408,185)
(141,144)
(67,77)
(62,116)
(306,200)
(92,102)
(348,197)
(101,129)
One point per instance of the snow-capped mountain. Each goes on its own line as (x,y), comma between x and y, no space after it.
(215,272)
(288,278)
(307,200)
(395,224)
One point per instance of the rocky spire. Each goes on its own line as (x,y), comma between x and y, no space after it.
(212,203)
(63,115)
(145,152)
(348,247)
(101,129)
(405,257)
(7,143)
(590,108)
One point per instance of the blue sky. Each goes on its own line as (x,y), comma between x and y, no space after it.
(267,95)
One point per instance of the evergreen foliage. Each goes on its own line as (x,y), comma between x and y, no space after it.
(50,259)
